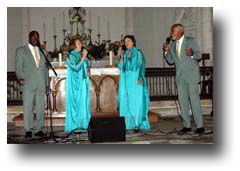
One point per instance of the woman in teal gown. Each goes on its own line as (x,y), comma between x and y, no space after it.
(77,90)
(133,96)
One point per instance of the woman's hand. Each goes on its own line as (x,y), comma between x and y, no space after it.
(85,52)
(140,81)
(121,56)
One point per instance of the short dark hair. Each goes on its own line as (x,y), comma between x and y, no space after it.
(179,26)
(132,38)
(32,33)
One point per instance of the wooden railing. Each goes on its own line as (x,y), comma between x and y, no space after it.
(14,96)
(160,81)
(162,86)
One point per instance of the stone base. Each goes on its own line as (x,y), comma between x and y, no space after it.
(59,119)
(157,109)
(171,108)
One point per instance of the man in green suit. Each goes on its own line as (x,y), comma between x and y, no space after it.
(184,53)
(32,74)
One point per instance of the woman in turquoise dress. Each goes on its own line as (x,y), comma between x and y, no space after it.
(133,96)
(77,89)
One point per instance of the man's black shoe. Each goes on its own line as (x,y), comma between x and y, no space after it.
(184,130)
(40,134)
(199,130)
(28,134)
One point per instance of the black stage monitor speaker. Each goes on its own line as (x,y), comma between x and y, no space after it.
(108,129)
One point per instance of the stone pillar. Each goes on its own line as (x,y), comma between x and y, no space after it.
(129,20)
(26,25)
(207,33)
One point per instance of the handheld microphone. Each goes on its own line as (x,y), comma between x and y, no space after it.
(168,39)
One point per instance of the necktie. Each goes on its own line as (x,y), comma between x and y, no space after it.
(36,57)
(178,49)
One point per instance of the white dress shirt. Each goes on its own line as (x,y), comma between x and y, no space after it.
(31,47)
(179,44)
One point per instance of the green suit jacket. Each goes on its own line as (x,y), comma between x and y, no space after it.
(187,68)
(34,77)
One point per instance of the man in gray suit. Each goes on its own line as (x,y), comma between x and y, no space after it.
(32,74)
(184,53)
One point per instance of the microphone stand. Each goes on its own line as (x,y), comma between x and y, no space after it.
(49,65)
(168,40)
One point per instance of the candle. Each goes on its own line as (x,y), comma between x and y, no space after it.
(98,24)
(108,30)
(60,59)
(63,21)
(44,32)
(110,57)
(54,26)
(90,19)
(71,28)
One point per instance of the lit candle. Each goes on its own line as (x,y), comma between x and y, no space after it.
(60,59)
(98,24)
(63,21)
(44,32)
(108,30)
(90,19)
(54,26)
(110,57)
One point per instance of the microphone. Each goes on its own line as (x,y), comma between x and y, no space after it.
(168,39)
(167,42)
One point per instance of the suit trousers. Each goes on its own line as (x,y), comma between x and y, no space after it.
(189,92)
(33,100)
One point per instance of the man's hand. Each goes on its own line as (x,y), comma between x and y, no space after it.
(140,81)
(21,82)
(188,51)
(166,47)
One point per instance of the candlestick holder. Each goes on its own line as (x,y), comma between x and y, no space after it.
(71,28)
(64,36)
(55,43)
(77,29)
(109,43)
(99,37)
(90,37)
(45,44)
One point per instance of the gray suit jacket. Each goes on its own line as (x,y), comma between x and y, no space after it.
(186,67)
(35,77)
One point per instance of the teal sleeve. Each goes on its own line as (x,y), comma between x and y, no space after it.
(19,65)
(72,64)
(120,64)
(141,64)
(85,68)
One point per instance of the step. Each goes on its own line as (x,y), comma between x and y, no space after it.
(59,119)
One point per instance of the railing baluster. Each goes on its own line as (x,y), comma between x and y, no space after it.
(160,82)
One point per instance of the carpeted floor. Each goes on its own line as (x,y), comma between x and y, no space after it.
(163,132)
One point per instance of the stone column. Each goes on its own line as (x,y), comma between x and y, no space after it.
(129,20)
(207,33)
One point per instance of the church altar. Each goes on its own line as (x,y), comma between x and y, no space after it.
(103,90)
